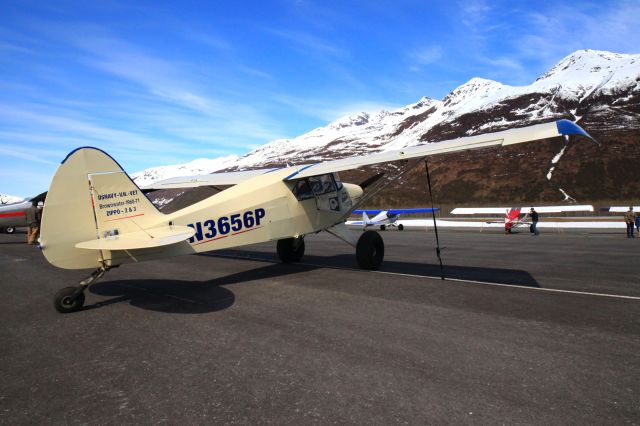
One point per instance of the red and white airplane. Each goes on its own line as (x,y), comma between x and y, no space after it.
(513,218)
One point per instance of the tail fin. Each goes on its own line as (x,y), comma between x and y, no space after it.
(365,220)
(512,214)
(91,197)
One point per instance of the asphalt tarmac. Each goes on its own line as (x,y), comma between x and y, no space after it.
(524,330)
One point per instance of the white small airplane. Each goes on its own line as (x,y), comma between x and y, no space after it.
(386,218)
(513,218)
(96,217)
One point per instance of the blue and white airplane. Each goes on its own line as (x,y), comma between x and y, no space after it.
(384,218)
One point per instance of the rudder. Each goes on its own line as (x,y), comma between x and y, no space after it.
(91,197)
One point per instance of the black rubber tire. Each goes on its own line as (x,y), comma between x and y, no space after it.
(370,250)
(290,250)
(401,227)
(62,301)
(10,230)
(383,227)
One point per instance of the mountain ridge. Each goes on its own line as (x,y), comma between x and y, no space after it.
(557,93)
(600,90)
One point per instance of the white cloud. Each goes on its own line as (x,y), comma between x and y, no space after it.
(309,42)
(330,110)
(426,55)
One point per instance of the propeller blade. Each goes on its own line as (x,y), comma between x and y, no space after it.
(371,180)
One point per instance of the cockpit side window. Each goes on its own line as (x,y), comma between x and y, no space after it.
(316,185)
(302,190)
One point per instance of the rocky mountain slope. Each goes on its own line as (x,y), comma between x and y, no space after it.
(600,90)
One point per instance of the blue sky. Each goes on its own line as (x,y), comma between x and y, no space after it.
(158,82)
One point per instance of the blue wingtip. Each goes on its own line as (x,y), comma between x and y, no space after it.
(568,127)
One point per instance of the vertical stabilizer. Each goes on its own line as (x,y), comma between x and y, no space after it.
(90,198)
(365,220)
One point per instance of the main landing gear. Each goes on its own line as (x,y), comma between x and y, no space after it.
(384,227)
(290,250)
(71,299)
(370,250)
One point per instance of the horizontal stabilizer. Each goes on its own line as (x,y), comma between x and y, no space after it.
(148,238)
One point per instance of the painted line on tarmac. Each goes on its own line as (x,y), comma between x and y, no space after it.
(554,290)
(459,280)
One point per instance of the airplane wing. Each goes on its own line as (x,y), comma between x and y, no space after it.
(622,209)
(506,137)
(398,211)
(524,209)
(214,179)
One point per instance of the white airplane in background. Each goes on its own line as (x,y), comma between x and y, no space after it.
(512,216)
(96,217)
(385,218)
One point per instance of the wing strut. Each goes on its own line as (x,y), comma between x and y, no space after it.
(433,214)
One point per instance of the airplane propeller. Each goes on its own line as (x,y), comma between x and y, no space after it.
(371,180)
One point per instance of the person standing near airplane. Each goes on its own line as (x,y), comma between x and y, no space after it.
(534,221)
(638,224)
(34,225)
(630,219)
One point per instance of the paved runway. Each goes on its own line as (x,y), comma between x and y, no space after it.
(216,339)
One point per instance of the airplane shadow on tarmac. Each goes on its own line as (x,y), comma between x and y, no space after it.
(184,297)
(432,270)
(197,297)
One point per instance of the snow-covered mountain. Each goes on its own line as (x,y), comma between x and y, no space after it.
(584,81)
(199,166)
(600,90)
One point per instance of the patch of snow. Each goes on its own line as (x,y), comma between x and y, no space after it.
(567,197)
(555,160)
(199,166)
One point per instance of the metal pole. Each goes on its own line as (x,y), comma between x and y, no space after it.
(433,214)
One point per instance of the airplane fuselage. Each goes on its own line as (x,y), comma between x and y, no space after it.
(268,207)
(16,214)
(258,210)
